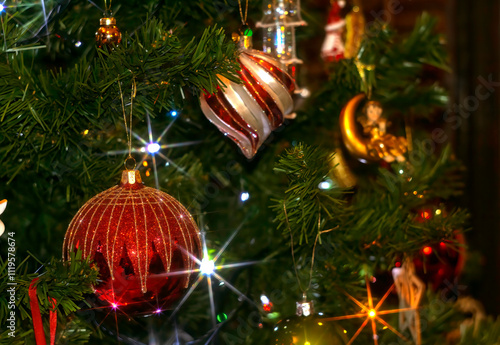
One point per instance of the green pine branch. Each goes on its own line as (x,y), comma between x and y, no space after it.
(66,282)
(382,219)
(46,115)
(305,209)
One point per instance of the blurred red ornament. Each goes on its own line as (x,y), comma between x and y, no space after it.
(137,236)
(424,215)
(343,33)
(333,46)
(247,113)
(440,264)
(268,307)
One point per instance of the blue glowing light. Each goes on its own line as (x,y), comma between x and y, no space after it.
(153,147)
(2,8)
(173,113)
(244,196)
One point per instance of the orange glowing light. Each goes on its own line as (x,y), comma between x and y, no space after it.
(371,314)
(427,250)
(425,215)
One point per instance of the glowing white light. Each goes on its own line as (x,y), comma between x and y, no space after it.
(1,8)
(401,171)
(244,196)
(276,328)
(325,185)
(78,44)
(173,113)
(153,147)
(207,266)
(208,269)
(157,311)
(114,305)
(264,299)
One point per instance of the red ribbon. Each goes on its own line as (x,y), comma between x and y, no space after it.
(37,317)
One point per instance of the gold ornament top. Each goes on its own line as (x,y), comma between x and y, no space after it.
(243,38)
(131,177)
(107,21)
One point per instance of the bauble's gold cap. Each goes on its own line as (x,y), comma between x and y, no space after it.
(108,21)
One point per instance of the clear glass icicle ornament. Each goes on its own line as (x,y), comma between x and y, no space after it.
(279,22)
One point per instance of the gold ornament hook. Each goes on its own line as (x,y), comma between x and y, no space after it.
(132,166)
(128,128)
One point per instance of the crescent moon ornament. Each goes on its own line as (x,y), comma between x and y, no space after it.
(379,145)
(355,143)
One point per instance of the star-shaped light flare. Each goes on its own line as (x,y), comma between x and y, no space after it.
(208,269)
(371,314)
(151,147)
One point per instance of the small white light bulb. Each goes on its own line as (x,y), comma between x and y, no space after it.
(153,147)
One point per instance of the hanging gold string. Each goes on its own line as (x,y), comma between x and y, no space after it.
(107,8)
(313,251)
(128,124)
(243,17)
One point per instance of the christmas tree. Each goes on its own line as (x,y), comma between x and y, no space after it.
(302,208)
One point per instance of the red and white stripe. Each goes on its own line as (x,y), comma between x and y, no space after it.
(248,112)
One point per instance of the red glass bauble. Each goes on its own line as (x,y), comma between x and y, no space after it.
(143,242)
(440,264)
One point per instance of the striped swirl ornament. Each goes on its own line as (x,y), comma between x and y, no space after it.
(143,242)
(247,113)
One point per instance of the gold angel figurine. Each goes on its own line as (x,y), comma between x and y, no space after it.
(381,144)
